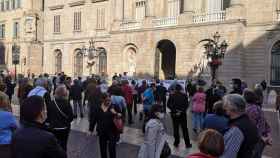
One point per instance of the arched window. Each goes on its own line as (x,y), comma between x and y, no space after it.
(275,64)
(78,66)
(58,61)
(2,54)
(103,62)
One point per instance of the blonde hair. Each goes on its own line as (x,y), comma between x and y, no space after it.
(4,101)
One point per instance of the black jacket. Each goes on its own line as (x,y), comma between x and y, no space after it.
(55,118)
(250,132)
(178,102)
(10,88)
(160,93)
(76,92)
(33,141)
(105,124)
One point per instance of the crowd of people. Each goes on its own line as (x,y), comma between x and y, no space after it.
(228,123)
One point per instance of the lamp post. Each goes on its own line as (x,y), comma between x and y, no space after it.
(15,57)
(215,52)
(91,52)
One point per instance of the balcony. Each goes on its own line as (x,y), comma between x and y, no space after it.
(130,25)
(165,22)
(209,17)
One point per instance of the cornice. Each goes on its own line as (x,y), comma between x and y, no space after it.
(56,7)
(77,3)
(96,1)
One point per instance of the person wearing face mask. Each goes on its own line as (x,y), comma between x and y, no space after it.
(33,140)
(60,115)
(155,138)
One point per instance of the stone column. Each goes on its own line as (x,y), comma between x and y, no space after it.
(188,6)
(150,4)
(119,10)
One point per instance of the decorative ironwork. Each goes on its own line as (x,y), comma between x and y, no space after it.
(215,52)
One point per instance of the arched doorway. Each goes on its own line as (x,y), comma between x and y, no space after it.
(275,64)
(130,59)
(78,63)
(165,60)
(2,54)
(102,62)
(58,60)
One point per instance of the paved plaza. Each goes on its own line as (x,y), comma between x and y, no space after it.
(83,146)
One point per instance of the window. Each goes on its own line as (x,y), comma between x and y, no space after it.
(2,5)
(140,10)
(56,25)
(2,30)
(2,54)
(18,4)
(7,5)
(58,61)
(100,18)
(13,4)
(77,21)
(103,62)
(275,64)
(173,8)
(16,30)
(78,66)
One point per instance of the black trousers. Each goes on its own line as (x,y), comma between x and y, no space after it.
(107,140)
(135,101)
(180,121)
(129,113)
(5,151)
(62,137)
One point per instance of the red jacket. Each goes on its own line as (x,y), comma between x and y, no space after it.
(199,155)
(127,91)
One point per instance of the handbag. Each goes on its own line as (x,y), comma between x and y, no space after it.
(166,151)
(118,124)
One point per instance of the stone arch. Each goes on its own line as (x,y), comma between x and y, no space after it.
(130,59)
(2,54)
(78,62)
(58,60)
(165,60)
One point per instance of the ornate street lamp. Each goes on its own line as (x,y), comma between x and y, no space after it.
(215,52)
(15,57)
(91,52)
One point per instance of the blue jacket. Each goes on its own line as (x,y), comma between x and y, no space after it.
(7,125)
(148,99)
(219,123)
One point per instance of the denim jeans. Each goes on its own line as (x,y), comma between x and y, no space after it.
(197,120)
(78,104)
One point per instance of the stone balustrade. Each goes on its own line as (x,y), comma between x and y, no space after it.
(130,25)
(278,15)
(166,21)
(209,17)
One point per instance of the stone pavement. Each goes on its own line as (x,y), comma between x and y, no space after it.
(82,146)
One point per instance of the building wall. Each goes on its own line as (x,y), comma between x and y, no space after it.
(29,36)
(246,27)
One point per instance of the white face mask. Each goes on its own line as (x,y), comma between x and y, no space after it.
(160,115)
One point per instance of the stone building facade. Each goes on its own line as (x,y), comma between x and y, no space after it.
(160,38)
(21,26)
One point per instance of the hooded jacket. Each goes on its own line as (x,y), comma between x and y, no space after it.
(154,140)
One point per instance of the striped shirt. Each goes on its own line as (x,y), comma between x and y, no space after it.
(233,139)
